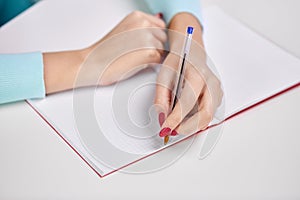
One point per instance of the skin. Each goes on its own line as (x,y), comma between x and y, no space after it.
(61,68)
(201,93)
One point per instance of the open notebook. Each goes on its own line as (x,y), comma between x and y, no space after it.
(251,69)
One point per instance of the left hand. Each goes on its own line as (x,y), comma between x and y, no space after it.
(201,94)
(128,48)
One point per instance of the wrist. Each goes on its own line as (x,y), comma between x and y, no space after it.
(61,68)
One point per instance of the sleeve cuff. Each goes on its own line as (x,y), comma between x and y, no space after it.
(21,77)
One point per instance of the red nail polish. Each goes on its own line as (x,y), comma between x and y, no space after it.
(161,118)
(164,132)
(160,15)
(173,133)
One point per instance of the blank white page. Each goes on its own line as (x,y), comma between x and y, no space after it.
(251,67)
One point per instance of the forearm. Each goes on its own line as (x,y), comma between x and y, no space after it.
(61,68)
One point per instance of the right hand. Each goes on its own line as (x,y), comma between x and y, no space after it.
(201,94)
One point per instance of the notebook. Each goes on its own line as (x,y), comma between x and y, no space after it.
(115,126)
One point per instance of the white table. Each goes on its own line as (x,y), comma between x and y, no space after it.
(257,156)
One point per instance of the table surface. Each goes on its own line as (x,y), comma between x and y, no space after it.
(256,157)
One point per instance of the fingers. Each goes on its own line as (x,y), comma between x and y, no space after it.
(196,106)
(167,79)
(201,119)
(129,64)
(198,121)
(200,95)
(165,83)
(138,19)
(141,38)
(188,99)
(160,34)
(146,26)
(151,21)
(158,38)
(155,20)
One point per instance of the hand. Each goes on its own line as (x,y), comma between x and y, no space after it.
(201,93)
(136,41)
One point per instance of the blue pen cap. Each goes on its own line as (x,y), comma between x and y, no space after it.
(190,30)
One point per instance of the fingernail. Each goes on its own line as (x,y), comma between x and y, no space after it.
(164,132)
(173,133)
(161,118)
(160,15)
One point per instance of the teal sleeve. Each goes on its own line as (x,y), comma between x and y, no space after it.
(170,7)
(11,8)
(21,77)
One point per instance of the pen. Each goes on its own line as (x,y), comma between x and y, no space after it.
(180,78)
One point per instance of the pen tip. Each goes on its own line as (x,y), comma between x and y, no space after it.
(166,140)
